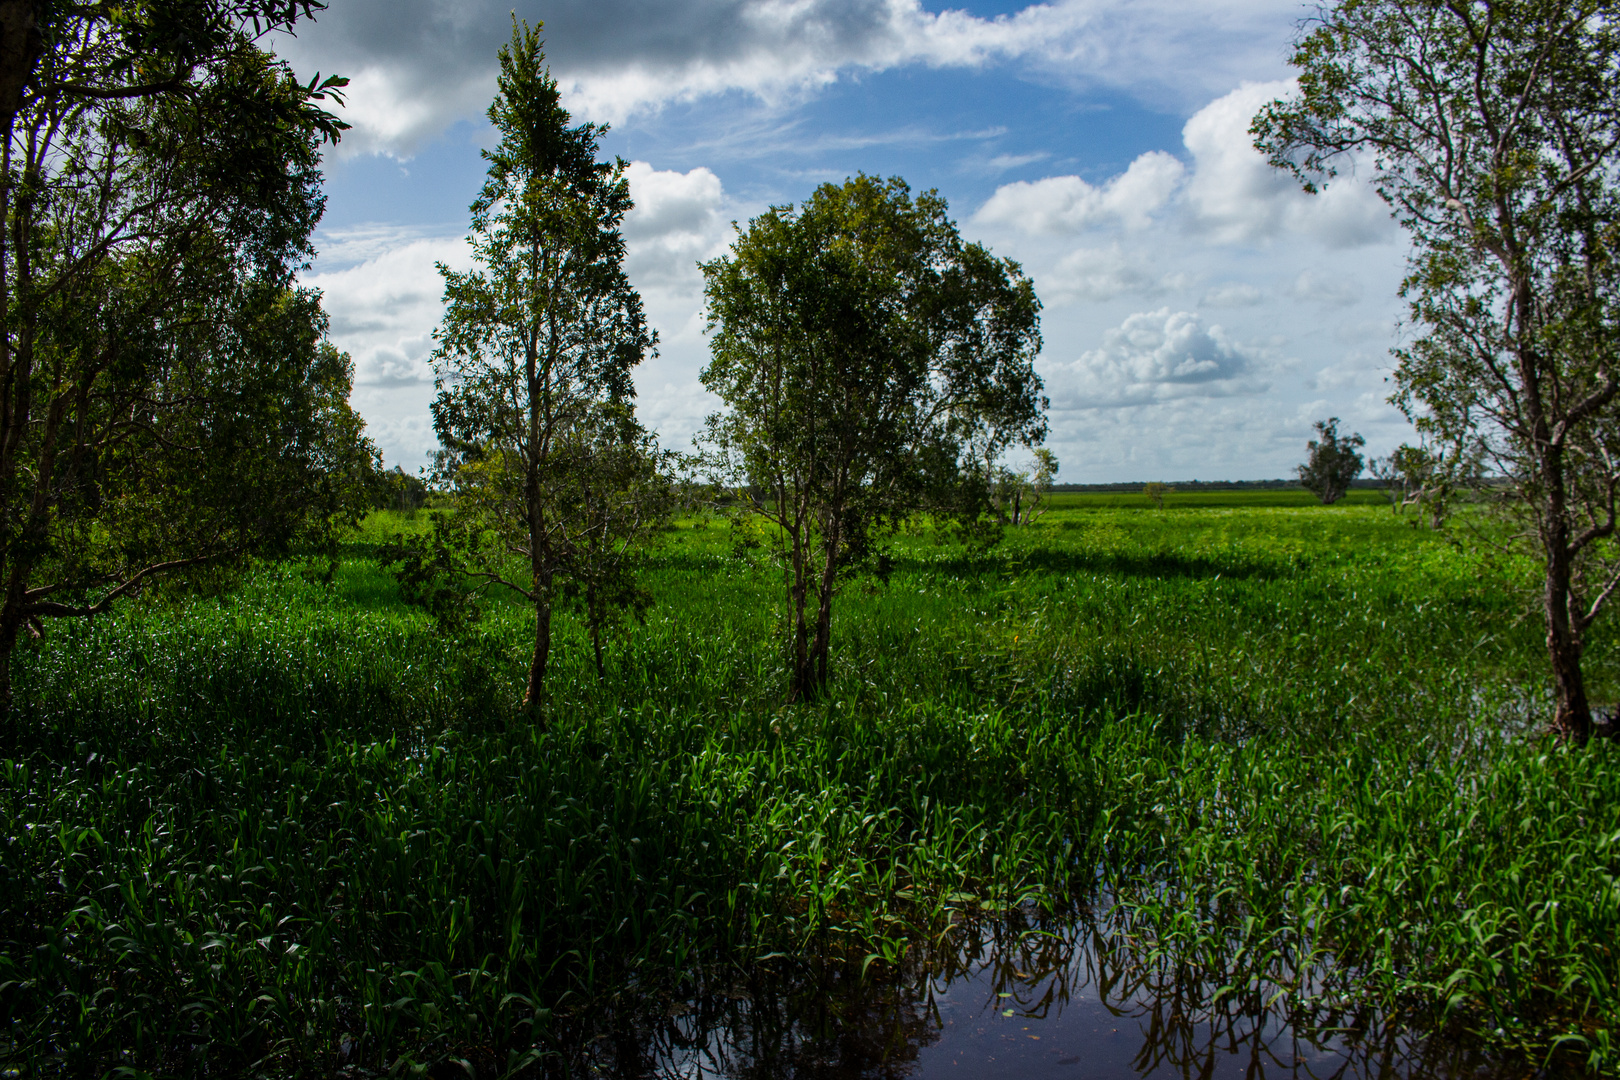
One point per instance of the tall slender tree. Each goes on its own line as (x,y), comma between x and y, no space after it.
(1493,131)
(535,357)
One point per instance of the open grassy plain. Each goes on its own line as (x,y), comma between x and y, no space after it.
(290,829)
(1256,499)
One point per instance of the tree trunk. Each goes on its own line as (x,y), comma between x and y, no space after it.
(1572,720)
(10,728)
(20,47)
(13,622)
(801,684)
(534,693)
(1572,717)
(822,644)
(593,619)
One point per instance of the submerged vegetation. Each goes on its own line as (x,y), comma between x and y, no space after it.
(295,829)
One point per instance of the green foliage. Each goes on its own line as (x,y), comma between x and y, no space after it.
(1429,878)
(168,398)
(547,463)
(292,829)
(1426,478)
(1493,131)
(872,367)
(399,491)
(1155,491)
(1331,462)
(1020,496)
(1253,499)
(431,570)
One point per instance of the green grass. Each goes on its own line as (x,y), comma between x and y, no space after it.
(1204,500)
(292,829)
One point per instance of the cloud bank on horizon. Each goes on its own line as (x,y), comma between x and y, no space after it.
(1201,311)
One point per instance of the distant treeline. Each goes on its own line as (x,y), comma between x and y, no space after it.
(1210,485)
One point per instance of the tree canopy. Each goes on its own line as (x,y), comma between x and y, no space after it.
(166,397)
(869,361)
(1331,462)
(1492,130)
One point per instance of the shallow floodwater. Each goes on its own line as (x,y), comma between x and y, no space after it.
(1012,1001)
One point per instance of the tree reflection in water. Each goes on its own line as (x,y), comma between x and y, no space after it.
(1078,996)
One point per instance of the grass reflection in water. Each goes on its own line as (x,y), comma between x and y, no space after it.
(1068,996)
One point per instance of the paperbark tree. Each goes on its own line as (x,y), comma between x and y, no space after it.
(535,356)
(869,361)
(1020,496)
(1492,129)
(1429,480)
(158,184)
(1331,462)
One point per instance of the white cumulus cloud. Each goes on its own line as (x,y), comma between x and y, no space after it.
(1098,274)
(1235,196)
(1234,294)
(678,220)
(386,302)
(1068,204)
(1319,286)
(1230,195)
(1157,355)
(383,295)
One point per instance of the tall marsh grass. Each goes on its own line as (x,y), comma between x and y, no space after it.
(293,830)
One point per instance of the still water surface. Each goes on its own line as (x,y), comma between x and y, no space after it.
(1068,1003)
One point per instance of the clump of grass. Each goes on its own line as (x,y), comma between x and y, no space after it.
(293,829)
(1475,887)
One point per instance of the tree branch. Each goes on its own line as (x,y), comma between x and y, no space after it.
(52,609)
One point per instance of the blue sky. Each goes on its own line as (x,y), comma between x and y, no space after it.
(1200,312)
